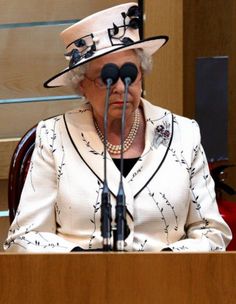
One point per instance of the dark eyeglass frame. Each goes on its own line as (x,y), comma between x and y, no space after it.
(101,85)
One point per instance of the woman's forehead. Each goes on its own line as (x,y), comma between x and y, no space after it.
(118,58)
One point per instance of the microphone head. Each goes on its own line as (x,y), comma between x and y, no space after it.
(110,71)
(128,71)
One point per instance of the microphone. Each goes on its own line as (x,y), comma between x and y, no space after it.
(109,75)
(128,74)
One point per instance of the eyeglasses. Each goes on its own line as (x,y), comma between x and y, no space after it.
(101,85)
(97,82)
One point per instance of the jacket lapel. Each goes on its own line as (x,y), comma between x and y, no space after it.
(83,135)
(158,135)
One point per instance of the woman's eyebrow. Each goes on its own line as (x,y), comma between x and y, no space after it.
(96,71)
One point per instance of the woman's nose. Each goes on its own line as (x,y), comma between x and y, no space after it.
(119,86)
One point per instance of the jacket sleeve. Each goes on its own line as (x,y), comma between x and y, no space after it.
(34,227)
(205,228)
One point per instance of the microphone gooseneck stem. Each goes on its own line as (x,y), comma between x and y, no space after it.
(106,201)
(109,76)
(120,200)
(127,83)
(105,121)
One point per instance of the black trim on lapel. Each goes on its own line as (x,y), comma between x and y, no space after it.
(74,145)
(167,150)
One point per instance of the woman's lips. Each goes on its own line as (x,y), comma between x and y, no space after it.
(117,102)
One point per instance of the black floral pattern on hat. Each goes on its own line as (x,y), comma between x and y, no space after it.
(85,48)
(117,33)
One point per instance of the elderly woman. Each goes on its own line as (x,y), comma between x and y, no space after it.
(170,199)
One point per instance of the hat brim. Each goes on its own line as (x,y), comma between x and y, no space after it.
(149,46)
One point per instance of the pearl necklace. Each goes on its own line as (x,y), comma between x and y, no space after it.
(116,149)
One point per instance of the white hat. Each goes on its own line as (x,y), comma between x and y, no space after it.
(111,30)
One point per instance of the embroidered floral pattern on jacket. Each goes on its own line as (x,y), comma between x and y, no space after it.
(142,246)
(96,208)
(60,167)
(137,172)
(39,241)
(172,209)
(31,174)
(191,171)
(91,149)
(40,145)
(81,111)
(160,209)
(58,213)
(29,237)
(54,134)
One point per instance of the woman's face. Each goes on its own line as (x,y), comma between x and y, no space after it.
(96,95)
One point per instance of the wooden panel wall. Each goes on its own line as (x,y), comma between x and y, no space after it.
(16,119)
(15,11)
(39,56)
(164,87)
(209,30)
(33,52)
(196,28)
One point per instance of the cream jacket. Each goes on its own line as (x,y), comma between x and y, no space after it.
(169,193)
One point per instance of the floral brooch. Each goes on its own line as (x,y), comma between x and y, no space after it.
(162,134)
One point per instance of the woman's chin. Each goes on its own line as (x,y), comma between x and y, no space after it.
(116,110)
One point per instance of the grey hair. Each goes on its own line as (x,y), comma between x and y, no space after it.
(75,76)
(145,59)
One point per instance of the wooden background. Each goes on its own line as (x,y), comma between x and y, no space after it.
(209,30)
(197,28)
(31,52)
